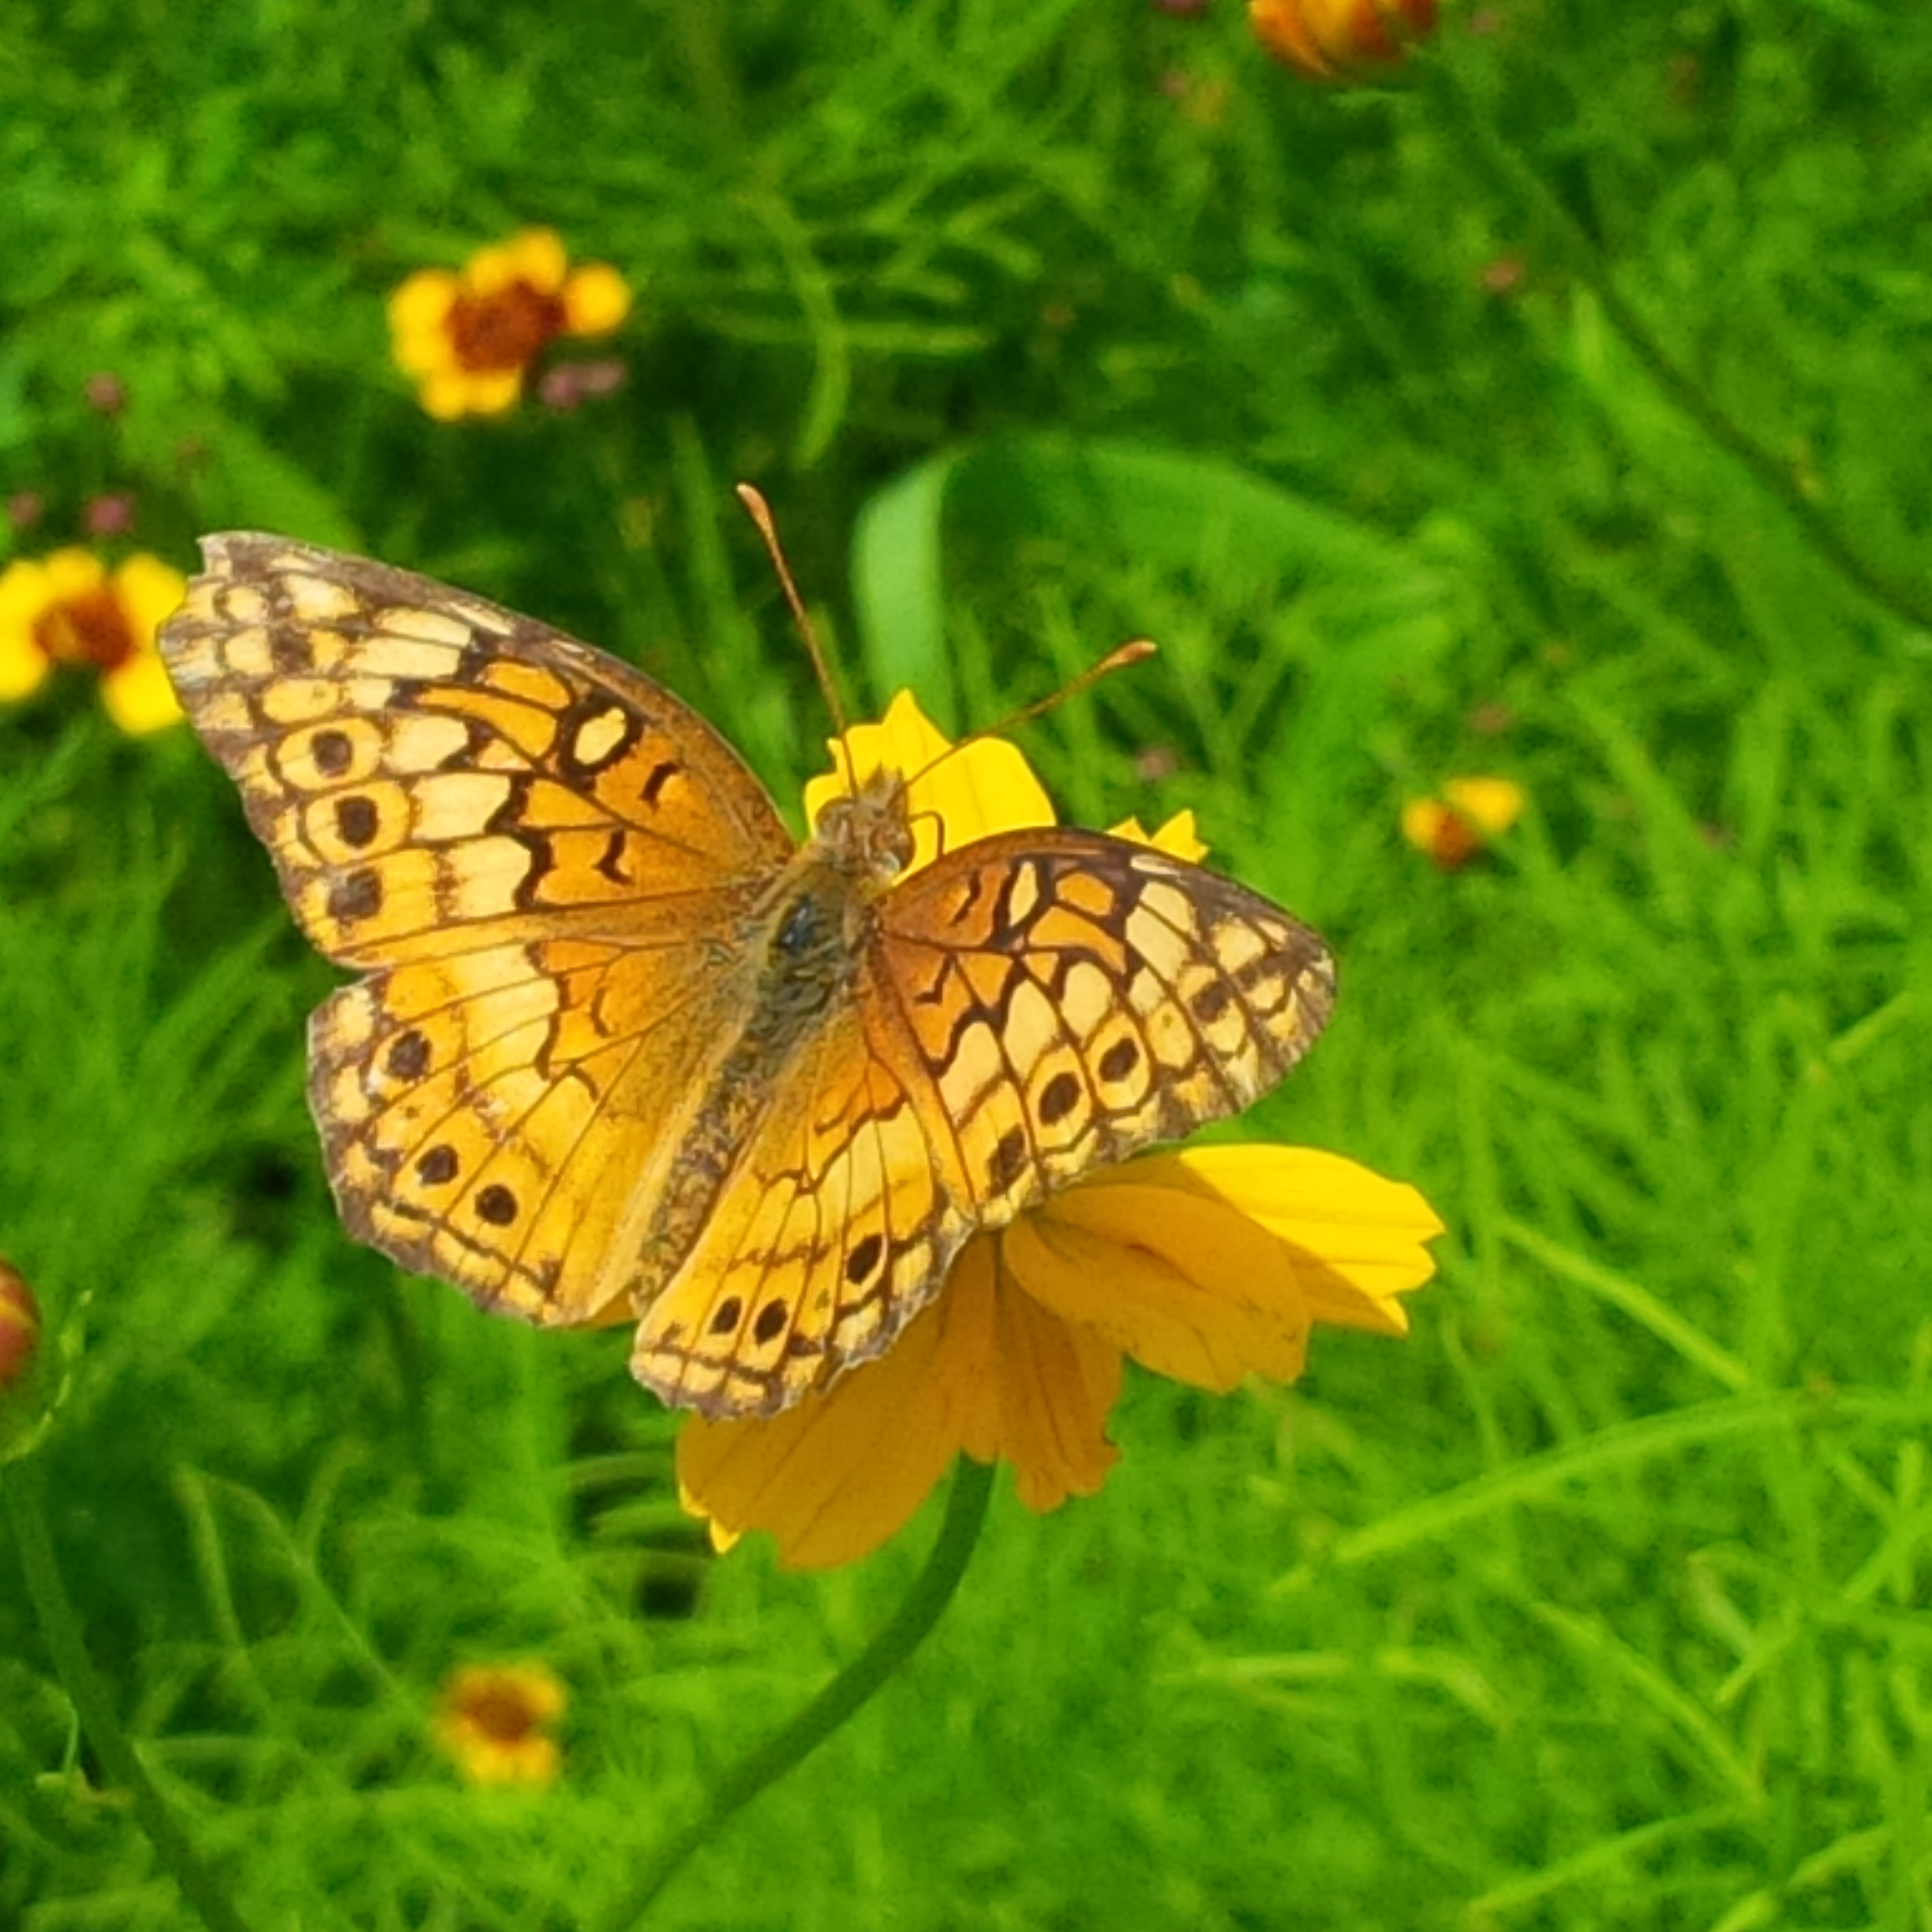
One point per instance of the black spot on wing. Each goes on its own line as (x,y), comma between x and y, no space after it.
(1058,1098)
(497,1205)
(408,1058)
(356,820)
(356,896)
(332,752)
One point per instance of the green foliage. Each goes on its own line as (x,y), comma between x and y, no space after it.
(1595,1604)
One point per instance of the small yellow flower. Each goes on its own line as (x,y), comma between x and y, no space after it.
(67,609)
(1471,812)
(469,339)
(493,1719)
(1207,1265)
(1340,40)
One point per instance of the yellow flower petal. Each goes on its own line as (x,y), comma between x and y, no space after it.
(596,300)
(1178,836)
(492,391)
(24,666)
(490,271)
(1493,805)
(1367,1231)
(421,304)
(833,1478)
(444,394)
(1423,822)
(1339,39)
(151,592)
(138,696)
(452,393)
(23,591)
(1212,1264)
(419,316)
(985,1370)
(72,573)
(1278,26)
(534,256)
(1188,1286)
(423,352)
(1042,1399)
(984,787)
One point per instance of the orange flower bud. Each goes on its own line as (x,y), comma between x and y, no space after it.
(1340,40)
(20,1325)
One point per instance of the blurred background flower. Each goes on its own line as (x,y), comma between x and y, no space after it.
(470,338)
(67,608)
(1470,813)
(105,393)
(20,1325)
(494,1721)
(1341,40)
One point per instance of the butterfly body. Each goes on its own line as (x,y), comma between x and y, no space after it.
(619,1048)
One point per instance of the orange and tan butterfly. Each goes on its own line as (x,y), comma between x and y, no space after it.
(620,1047)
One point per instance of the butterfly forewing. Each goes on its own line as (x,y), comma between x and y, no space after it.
(430,771)
(1073,997)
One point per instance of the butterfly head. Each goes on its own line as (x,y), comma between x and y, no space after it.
(868,833)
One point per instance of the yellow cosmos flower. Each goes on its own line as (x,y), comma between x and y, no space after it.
(1340,40)
(1207,1265)
(469,337)
(1471,812)
(67,609)
(494,1721)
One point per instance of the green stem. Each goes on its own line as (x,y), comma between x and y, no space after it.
(700,41)
(1514,175)
(62,1635)
(851,1689)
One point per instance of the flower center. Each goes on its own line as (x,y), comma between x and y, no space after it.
(503,1716)
(505,331)
(89,629)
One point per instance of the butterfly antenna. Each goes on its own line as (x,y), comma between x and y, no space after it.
(760,511)
(1131,653)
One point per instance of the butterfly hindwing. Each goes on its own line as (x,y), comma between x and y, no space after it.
(1035,1005)
(490,1117)
(837,1229)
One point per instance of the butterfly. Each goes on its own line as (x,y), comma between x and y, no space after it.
(621,1048)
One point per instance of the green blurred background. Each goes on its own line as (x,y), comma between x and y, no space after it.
(1600,1601)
